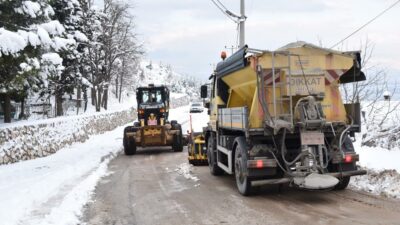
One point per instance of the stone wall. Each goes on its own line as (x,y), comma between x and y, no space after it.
(42,138)
(36,139)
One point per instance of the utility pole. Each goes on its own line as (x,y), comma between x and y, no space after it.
(239,19)
(242,19)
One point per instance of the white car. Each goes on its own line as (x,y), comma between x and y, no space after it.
(196,107)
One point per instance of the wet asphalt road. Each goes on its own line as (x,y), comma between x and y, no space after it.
(146,189)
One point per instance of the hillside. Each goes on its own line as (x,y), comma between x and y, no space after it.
(153,73)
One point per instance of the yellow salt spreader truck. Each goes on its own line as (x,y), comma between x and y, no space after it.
(278,117)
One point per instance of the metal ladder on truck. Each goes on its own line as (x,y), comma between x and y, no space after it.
(282,116)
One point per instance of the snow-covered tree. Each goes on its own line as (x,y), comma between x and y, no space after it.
(113,49)
(25,30)
(70,47)
(93,55)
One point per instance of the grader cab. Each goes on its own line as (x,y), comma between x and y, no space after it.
(153,127)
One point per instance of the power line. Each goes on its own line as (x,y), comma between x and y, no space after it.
(220,7)
(366,24)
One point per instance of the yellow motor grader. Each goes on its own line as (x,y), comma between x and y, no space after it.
(153,127)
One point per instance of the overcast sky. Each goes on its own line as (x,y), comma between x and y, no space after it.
(190,34)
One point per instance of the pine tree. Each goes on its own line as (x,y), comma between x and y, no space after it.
(69,14)
(21,40)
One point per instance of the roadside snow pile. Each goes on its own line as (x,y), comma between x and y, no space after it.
(377,158)
(185,170)
(385,183)
(379,148)
(54,189)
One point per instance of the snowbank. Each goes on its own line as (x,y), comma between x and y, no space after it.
(385,182)
(54,189)
(378,158)
(378,147)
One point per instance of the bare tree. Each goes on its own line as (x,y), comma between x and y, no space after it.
(371,94)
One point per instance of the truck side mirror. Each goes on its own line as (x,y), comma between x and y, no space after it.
(203,91)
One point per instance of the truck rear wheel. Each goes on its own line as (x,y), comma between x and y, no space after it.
(242,181)
(129,144)
(212,157)
(343,183)
(177,144)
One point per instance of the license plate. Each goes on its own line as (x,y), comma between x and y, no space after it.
(312,138)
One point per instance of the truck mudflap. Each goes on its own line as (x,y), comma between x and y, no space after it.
(290,179)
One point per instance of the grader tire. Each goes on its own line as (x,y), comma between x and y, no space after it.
(129,145)
(177,144)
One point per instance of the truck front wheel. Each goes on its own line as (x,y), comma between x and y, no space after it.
(242,181)
(212,157)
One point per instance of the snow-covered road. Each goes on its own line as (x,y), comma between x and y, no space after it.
(53,190)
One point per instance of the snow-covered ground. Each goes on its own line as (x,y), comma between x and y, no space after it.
(378,147)
(53,190)
(378,158)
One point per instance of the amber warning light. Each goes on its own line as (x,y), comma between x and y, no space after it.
(223,55)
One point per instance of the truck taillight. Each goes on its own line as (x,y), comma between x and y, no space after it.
(348,158)
(259,164)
